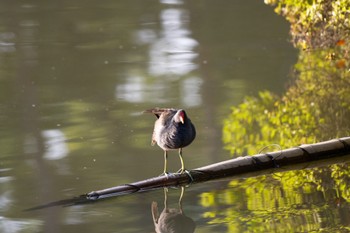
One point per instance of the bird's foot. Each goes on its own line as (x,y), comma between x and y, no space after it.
(183,170)
(165,174)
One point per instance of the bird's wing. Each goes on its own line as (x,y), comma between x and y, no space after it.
(153,139)
(158,111)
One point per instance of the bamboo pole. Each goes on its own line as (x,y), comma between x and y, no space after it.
(234,167)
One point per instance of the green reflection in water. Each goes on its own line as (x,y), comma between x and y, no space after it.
(74,73)
(315,107)
(296,201)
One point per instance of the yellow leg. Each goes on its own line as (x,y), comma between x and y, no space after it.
(183,169)
(165,162)
(165,198)
(182,161)
(181,196)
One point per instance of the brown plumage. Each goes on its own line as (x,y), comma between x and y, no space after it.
(172,130)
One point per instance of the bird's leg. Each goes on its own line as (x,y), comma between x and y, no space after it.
(182,169)
(166,198)
(180,199)
(165,161)
(165,164)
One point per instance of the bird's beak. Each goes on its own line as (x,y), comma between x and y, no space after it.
(181,116)
(182,119)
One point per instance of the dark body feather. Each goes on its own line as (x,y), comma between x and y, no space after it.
(169,132)
(172,130)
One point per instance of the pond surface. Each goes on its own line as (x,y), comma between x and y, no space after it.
(74,79)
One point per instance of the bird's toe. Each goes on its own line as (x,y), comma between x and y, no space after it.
(165,174)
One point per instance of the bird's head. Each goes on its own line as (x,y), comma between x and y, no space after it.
(180,116)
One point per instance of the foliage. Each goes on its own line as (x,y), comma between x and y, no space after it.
(315,23)
(315,107)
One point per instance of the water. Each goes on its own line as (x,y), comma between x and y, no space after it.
(74,79)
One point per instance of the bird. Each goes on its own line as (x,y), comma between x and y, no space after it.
(173,130)
(172,220)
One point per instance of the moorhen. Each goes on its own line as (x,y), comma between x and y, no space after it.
(172,130)
(172,220)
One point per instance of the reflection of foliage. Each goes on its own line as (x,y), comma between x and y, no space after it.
(298,201)
(267,120)
(315,107)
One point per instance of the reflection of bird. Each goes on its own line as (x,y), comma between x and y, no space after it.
(173,130)
(171,220)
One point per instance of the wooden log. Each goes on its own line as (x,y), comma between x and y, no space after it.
(234,167)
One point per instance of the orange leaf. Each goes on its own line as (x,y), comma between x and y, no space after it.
(340,64)
(341,42)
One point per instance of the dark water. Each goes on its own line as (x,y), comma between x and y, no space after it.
(74,79)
